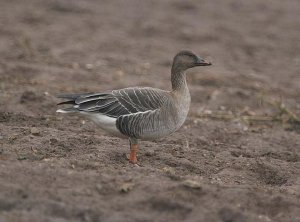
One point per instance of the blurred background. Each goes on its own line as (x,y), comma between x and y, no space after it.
(236,158)
(110,44)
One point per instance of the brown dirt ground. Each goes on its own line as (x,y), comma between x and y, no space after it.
(61,168)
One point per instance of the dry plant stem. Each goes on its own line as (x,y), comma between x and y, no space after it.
(283,110)
(231,117)
(257,118)
(25,44)
(279,117)
(280,106)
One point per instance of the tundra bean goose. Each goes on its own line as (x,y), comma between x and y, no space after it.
(139,113)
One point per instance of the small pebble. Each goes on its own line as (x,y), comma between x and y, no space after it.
(53,141)
(169,170)
(126,187)
(192,184)
(13,137)
(223,108)
(34,131)
(99,188)
(150,153)
(89,66)
(207,112)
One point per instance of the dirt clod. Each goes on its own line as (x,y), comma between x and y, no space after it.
(229,215)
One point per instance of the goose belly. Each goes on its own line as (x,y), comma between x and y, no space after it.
(106,123)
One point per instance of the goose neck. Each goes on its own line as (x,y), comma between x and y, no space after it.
(178,79)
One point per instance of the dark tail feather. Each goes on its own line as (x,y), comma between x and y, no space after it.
(70,98)
(72,102)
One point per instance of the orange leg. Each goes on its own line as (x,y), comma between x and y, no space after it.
(133,151)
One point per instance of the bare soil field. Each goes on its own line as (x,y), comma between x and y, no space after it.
(237,157)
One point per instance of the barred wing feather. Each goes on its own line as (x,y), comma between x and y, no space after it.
(118,102)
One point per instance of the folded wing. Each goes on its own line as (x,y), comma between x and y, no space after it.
(117,102)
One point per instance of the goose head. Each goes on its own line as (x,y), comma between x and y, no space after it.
(186,59)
